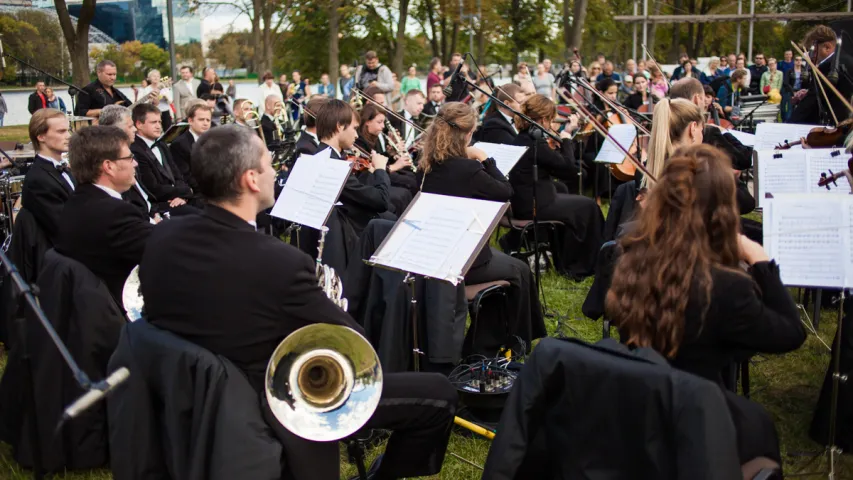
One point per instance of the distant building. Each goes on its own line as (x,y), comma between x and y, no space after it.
(16,3)
(143,20)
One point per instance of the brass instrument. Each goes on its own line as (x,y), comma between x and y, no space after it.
(327,278)
(131,295)
(356,101)
(395,141)
(256,119)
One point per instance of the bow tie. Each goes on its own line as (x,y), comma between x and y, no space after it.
(63,168)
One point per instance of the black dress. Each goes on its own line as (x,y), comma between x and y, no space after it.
(578,242)
(748,313)
(463,177)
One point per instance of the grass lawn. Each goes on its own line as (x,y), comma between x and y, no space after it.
(787,386)
(17,133)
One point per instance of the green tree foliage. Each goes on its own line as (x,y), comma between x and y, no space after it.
(232,50)
(133,59)
(190,54)
(20,39)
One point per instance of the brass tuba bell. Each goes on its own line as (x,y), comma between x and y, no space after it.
(131,296)
(323,382)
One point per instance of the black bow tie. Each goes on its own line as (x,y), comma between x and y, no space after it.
(63,168)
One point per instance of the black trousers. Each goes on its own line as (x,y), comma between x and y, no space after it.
(417,407)
(166,118)
(523,315)
(400,199)
(577,244)
(756,432)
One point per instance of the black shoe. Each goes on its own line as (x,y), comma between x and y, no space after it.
(372,471)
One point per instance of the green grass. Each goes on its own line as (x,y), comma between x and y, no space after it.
(16,133)
(786,385)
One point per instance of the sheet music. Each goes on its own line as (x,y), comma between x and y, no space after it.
(747,139)
(610,153)
(809,236)
(822,160)
(506,156)
(312,190)
(438,236)
(769,135)
(785,174)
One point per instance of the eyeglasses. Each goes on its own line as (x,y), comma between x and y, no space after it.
(129,157)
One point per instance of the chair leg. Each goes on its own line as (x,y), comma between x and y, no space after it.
(744,377)
(356,452)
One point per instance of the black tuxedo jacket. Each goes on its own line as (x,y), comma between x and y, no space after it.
(364,200)
(305,145)
(431,109)
(268,127)
(809,108)
(45,192)
(241,292)
(136,199)
(496,129)
(103,233)
(402,126)
(165,181)
(181,150)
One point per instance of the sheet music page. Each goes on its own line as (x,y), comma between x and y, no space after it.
(769,135)
(610,153)
(311,190)
(748,139)
(822,160)
(438,235)
(781,175)
(809,237)
(506,156)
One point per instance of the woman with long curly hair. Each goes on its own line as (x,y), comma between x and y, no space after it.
(679,286)
(448,166)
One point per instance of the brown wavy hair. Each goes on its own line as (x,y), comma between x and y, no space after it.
(540,109)
(688,226)
(447,136)
(368,113)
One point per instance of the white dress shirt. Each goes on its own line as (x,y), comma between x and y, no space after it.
(156,151)
(56,164)
(511,123)
(410,132)
(109,191)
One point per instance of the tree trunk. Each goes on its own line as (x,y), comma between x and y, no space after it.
(400,50)
(334,15)
(653,30)
(676,33)
(442,42)
(454,39)
(700,37)
(267,36)
(567,28)
(433,42)
(578,22)
(77,40)
(258,52)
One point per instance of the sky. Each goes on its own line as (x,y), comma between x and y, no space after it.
(222,20)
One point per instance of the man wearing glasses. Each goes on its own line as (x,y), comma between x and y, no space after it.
(97,228)
(756,70)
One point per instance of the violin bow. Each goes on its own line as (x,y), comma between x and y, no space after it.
(825,80)
(616,107)
(388,110)
(603,132)
(657,65)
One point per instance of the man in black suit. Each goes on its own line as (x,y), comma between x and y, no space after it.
(49,183)
(337,127)
(412,108)
(137,195)
(811,107)
(242,292)
(208,78)
(158,172)
(272,106)
(101,92)
(498,125)
(98,228)
(199,116)
(38,99)
(308,142)
(436,97)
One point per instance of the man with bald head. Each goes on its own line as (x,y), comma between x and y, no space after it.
(272,107)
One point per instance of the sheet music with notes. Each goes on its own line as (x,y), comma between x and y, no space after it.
(770,135)
(439,236)
(506,156)
(312,189)
(610,153)
(798,171)
(809,236)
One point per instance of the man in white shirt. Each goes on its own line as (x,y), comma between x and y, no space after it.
(184,90)
(48,183)
(412,108)
(157,170)
(98,228)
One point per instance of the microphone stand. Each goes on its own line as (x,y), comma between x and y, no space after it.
(28,293)
(73,90)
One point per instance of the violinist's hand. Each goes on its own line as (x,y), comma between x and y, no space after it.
(565,135)
(573,123)
(378,161)
(804,142)
(476,154)
(401,163)
(751,252)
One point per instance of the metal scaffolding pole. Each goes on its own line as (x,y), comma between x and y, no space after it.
(634,47)
(646,27)
(739,13)
(751,28)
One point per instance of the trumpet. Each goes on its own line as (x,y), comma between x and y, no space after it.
(253,115)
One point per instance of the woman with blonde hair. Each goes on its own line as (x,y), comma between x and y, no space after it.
(676,123)
(159,94)
(448,166)
(679,286)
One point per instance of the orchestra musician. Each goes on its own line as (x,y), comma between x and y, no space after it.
(371,138)
(810,106)
(272,108)
(581,235)
(640,96)
(678,286)
(308,142)
(448,166)
(242,107)
(367,196)
(199,116)
(98,228)
(49,182)
(436,98)
(677,122)
(413,105)
(498,122)
(213,280)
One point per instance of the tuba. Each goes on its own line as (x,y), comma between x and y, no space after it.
(131,296)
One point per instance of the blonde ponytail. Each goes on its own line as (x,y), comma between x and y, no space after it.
(671,119)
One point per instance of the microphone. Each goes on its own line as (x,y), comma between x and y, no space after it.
(448,90)
(97,392)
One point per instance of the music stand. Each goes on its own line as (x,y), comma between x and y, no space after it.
(311,191)
(439,237)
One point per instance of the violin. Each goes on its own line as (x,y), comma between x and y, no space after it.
(826,180)
(720,122)
(821,137)
(361,160)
